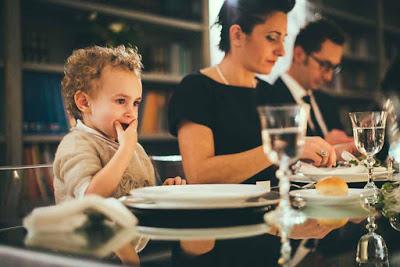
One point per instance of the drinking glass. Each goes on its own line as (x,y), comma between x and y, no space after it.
(369,136)
(283,129)
(371,248)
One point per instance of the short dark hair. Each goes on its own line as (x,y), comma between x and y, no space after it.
(311,37)
(247,14)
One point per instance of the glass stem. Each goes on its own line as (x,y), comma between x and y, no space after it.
(371,225)
(284,184)
(370,166)
(284,205)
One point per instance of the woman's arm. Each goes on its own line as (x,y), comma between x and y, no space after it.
(201,165)
(196,145)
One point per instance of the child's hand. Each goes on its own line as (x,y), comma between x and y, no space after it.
(127,137)
(174,181)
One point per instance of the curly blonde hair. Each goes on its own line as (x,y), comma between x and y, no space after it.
(84,67)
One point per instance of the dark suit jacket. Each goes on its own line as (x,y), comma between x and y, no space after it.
(279,94)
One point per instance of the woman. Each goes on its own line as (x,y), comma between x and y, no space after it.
(213,113)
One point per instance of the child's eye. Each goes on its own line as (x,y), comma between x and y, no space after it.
(136,103)
(120,101)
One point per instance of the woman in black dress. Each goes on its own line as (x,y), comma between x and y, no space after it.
(214,111)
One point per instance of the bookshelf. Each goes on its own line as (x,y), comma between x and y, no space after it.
(373,40)
(40,34)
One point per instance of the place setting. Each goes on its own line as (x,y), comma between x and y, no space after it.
(185,206)
(368,131)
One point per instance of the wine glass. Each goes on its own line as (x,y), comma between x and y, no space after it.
(369,136)
(371,248)
(283,129)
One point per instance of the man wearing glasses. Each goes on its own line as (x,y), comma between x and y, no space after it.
(316,59)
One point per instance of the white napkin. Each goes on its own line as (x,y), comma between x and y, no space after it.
(309,169)
(70,215)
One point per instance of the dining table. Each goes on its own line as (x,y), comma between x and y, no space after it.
(205,237)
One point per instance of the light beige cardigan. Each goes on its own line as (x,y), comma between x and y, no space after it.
(81,154)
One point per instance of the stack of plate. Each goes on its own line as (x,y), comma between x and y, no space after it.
(204,196)
(201,206)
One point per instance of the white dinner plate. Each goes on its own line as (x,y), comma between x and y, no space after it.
(204,195)
(139,204)
(311,196)
(349,178)
(203,233)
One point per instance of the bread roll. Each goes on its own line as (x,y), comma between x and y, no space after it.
(332,186)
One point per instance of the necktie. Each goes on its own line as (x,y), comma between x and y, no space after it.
(317,129)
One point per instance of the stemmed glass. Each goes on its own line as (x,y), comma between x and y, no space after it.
(369,136)
(283,129)
(371,248)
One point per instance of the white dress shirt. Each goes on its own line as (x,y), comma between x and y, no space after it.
(298,92)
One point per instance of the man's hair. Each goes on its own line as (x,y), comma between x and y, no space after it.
(311,37)
(83,68)
(247,14)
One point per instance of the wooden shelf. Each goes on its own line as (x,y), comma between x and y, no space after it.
(391,29)
(360,59)
(146,77)
(43,138)
(132,14)
(43,67)
(161,77)
(344,15)
(156,137)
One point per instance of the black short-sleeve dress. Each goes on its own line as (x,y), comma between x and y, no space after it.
(229,111)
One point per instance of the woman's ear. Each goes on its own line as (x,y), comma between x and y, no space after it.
(299,55)
(236,35)
(82,101)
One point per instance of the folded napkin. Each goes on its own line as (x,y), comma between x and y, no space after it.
(309,169)
(83,241)
(70,215)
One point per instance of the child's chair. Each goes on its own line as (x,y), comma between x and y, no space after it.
(23,188)
(167,167)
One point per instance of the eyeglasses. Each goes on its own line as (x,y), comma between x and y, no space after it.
(326,65)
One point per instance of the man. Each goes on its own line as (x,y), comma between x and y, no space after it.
(317,55)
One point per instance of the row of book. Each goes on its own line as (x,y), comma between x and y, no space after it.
(44,112)
(354,80)
(358,46)
(43,109)
(153,113)
(38,182)
(174,58)
(36,46)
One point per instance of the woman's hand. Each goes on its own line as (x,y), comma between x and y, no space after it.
(319,152)
(174,181)
(128,137)
(350,147)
